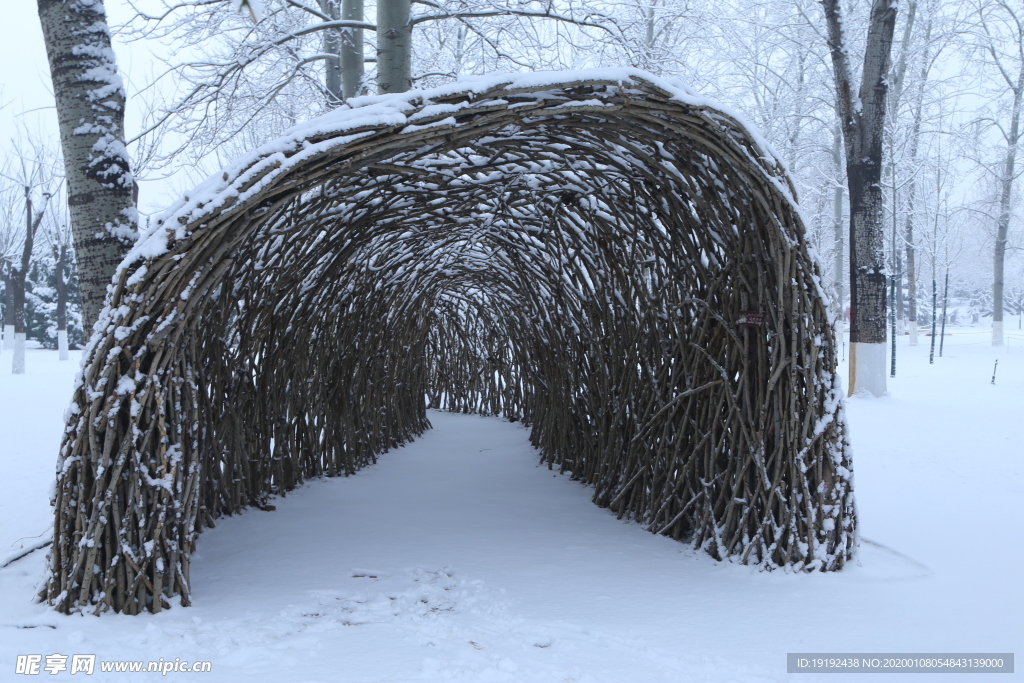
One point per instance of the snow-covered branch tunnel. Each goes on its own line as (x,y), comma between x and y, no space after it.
(590,253)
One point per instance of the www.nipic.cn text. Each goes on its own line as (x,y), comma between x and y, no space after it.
(32,665)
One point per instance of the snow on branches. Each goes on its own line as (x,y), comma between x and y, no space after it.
(579,251)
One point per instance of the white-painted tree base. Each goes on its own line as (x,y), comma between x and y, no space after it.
(913,333)
(8,336)
(18,364)
(62,344)
(997,333)
(867,369)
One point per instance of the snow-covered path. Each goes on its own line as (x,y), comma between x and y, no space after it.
(458,557)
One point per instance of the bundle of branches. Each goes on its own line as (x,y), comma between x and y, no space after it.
(604,255)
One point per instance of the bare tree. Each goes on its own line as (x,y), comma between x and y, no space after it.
(912,161)
(862,119)
(34,177)
(669,37)
(57,234)
(896,96)
(11,240)
(90,102)
(303,58)
(999,38)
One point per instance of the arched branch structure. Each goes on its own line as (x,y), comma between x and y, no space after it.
(577,251)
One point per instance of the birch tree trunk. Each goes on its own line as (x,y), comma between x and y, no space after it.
(394,46)
(332,46)
(90,108)
(352,50)
(650,13)
(862,119)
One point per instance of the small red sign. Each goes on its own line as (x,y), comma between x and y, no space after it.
(751,318)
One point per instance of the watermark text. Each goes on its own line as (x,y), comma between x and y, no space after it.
(34,665)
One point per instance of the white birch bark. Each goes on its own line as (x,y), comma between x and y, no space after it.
(90,109)
(332,46)
(394,46)
(352,69)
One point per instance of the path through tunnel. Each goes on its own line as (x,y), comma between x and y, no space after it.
(605,256)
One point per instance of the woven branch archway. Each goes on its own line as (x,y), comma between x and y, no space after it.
(572,250)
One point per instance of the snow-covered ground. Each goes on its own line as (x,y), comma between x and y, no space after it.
(458,558)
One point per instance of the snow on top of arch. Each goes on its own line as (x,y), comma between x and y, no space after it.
(361,116)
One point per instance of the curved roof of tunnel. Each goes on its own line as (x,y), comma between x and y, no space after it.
(606,256)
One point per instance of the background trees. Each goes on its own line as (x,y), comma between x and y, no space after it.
(30,181)
(997,41)
(40,298)
(226,83)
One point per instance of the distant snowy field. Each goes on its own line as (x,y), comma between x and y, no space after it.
(458,558)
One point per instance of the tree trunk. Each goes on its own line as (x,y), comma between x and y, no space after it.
(892,328)
(945,301)
(935,302)
(18,302)
(18,295)
(394,46)
(90,109)
(867,279)
(332,46)
(896,291)
(837,218)
(8,343)
(1005,206)
(352,50)
(17,285)
(896,276)
(911,266)
(862,121)
(649,36)
(915,137)
(62,304)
